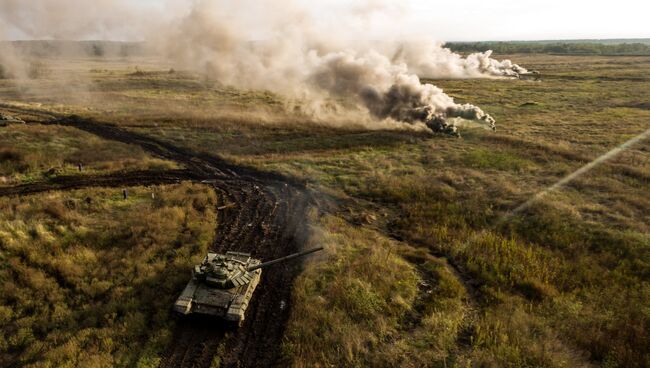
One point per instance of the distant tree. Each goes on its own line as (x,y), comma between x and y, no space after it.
(98,50)
(563,48)
(37,70)
(124,50)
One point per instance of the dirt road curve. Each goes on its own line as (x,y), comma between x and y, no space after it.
(267,220)
(126,179)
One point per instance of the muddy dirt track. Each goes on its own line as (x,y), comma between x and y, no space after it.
(266,219)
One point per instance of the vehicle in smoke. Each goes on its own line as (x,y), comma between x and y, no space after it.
(524,74)
(223,284)
(530,75)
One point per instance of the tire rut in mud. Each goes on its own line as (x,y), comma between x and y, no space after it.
(266,219)
(114,180)
(263,223)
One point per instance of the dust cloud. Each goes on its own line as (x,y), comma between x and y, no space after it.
(432,60)
(281,46)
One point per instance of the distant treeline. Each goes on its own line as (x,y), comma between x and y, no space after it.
(553,47)
(78,48)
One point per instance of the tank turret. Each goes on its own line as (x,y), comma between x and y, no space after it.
(223,284)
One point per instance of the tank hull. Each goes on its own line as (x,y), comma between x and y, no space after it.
(231,305)
(228,304)
(223,285)
(6,120)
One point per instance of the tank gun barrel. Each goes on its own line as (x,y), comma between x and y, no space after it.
(291,256)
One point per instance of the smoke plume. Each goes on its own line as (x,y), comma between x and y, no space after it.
(297,54)
(388,90)
(431,60)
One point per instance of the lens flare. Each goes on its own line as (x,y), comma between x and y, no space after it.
(578,173)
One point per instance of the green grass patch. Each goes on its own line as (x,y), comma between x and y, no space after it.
(35,152)
(366,306)
(86,280)
(486,159)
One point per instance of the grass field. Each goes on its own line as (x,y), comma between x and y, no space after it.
(87,280)
(419,270)
(36,152)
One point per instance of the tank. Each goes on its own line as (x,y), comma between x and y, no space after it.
(530,75)
(223,284)
(6,119)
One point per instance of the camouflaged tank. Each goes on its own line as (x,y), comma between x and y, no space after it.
(223,284)
(7,119)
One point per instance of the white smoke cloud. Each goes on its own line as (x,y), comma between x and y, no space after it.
(388,90)
(10,64)
(299,55)
(74,19)
(432,60)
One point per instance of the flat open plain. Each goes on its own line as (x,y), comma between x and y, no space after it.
(419,269)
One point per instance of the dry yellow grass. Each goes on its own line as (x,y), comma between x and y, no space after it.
(37,152)
(365,305)
(567,284)
(87,280)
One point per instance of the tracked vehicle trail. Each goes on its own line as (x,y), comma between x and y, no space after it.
(266,219)
(126,179)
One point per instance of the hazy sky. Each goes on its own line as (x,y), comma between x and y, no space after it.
(371,19)
(524,19)
(534,19)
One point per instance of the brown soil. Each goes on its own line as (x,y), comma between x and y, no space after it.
(267,220)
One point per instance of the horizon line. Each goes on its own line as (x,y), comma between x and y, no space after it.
(450,41)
